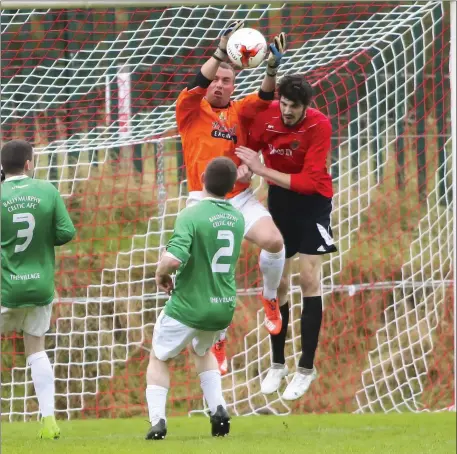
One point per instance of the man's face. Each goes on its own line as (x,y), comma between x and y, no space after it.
(291,112)
(221,88)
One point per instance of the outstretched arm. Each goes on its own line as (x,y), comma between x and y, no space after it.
(277,49)
(209,68)
(188,103)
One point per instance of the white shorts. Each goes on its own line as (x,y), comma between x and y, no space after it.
(171,337)
(33,320)
(246,202)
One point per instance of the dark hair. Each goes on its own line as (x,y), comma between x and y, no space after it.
(296,89)
(220,176)
(14,156)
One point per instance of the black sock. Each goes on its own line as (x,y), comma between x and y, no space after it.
(278,342)
(311,320)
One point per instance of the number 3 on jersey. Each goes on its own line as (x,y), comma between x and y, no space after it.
(225,251)
(24,233)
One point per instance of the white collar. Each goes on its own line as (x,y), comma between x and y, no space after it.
(16,177)
(215,199)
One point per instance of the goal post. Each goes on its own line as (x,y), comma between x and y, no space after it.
(94,87)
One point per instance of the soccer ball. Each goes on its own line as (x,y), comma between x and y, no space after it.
(247,48)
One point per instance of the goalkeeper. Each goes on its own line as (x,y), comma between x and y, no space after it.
(212,125)
(34,220)
(204,248)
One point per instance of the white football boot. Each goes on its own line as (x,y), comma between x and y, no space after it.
(299,385)
(272,381)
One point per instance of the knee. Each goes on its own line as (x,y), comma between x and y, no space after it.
(310,284)
(274,242)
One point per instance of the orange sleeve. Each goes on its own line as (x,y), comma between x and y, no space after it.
(188,106)
(251,105)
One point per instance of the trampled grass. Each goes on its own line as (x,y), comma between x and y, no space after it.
(330,433)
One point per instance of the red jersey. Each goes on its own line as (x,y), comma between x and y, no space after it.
(300,150)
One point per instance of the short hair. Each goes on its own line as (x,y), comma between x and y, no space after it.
(220,176)
(296,89)
(14,156)
(225,65)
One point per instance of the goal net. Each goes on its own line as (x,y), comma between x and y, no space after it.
(95,91)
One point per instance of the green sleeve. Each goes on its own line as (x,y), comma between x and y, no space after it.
(63,225)
(181,240)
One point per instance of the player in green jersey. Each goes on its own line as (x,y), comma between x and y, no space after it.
(204,250)
(34,220)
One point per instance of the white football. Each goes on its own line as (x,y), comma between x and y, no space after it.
(247,48)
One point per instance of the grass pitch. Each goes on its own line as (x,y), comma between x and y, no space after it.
(343,433)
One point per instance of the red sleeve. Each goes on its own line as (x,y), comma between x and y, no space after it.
(314,177)
(188,105)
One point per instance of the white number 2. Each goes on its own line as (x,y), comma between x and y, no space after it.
(24,233)
(225,251)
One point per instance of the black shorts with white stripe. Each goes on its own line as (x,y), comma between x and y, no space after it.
(303,220)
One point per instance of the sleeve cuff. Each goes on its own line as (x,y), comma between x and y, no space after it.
(199,81)
(170,255)
(178,254)
(266,95)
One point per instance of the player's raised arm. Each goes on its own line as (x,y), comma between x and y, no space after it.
(250,106)
(209,68)
(277,49)
(64,228)
(188,102)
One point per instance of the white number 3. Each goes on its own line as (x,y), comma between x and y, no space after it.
(24,233)
(225,251)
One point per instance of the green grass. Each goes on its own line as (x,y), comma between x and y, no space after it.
(343,433)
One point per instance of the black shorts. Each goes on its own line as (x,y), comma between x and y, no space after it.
(303,220)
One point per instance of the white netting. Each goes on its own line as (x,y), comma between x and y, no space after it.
(383,56)
(394,380)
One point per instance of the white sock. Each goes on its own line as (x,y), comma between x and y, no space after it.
(271,265)
(223,335)
(156,397)
(43,381)
(211,384)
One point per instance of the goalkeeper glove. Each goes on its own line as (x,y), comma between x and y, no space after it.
(277,49)
(221,51)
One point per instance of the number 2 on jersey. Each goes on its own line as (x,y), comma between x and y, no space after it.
(24,233)
(225,251)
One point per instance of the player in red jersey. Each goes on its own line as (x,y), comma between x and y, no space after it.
(295,142)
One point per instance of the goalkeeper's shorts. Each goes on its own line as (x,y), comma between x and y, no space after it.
(303,220)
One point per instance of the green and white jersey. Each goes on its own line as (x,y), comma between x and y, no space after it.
(34,220)
(207,240)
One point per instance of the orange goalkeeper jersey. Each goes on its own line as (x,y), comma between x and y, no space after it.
(208,132)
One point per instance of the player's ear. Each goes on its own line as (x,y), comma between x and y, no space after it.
(202,178)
